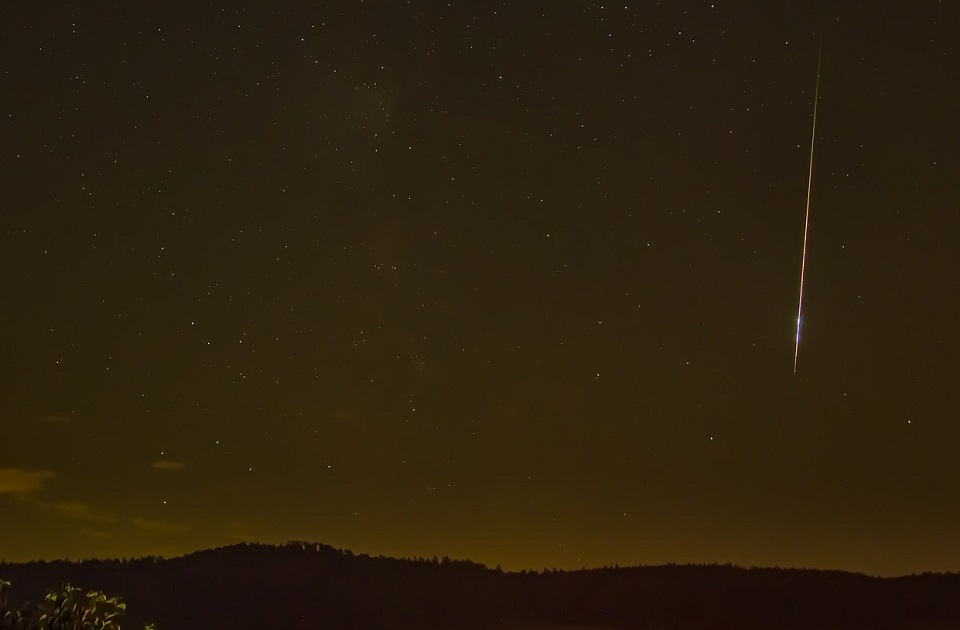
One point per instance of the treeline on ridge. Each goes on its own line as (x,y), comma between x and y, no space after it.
(304,585)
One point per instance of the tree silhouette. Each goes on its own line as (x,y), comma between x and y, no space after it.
(68,608)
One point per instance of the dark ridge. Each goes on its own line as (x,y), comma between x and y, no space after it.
(308,585)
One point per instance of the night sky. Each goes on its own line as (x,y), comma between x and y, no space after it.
(513,282)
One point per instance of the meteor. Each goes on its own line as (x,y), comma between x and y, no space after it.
(806,220)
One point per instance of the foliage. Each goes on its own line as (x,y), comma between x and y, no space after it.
(66,609)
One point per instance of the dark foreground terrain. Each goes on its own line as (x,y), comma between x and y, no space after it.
(301,586)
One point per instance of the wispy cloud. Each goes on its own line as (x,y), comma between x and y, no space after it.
(83,511)
(20,481)
(25,484)
(168,464)
(54,419)
(165,527)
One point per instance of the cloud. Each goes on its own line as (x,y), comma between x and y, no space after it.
(168,464)
(165,527)
(75,509)
(24,484)
(20,481)
(54,419)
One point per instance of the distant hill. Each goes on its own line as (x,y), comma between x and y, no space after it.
(310,586)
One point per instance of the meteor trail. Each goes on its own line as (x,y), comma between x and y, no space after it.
(806,220)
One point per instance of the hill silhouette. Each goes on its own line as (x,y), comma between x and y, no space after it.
(308,585)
